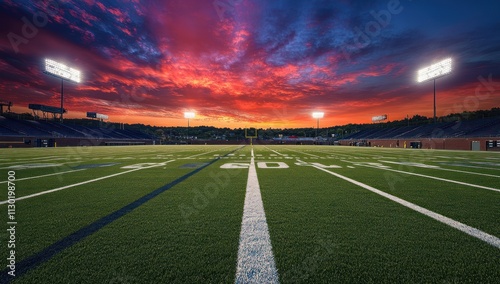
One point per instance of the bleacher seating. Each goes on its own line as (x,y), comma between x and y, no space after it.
(50,129)
(487,127)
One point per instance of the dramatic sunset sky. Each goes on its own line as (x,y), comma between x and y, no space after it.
(240,63)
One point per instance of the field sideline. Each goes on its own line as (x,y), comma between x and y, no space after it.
(267,214)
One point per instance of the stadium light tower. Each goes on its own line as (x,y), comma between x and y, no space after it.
(433,72)
(188,115)
(317,115)
(63,72)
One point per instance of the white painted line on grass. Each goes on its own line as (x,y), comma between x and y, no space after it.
(288,149)
(84,182)
(278,153)
(453,164)
(443,169)
(483,236)
(22,162)
(26,178)
(312,155)
(431,177)
(255,255)
(32,166)
(204,153)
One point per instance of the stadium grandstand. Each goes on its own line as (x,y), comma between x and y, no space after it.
(487,127)
(17,131)
(475,134)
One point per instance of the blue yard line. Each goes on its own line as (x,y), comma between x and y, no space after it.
(39,258)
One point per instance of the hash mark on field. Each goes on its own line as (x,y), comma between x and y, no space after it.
(255,256)
(483,236)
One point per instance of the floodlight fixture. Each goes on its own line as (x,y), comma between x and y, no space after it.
(317,115)
(62,72)
(188,115)
(434,72)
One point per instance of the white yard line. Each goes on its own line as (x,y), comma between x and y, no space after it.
(84,182)
(483,236)
(255,256)
(47,175)
(204,153)
(278,153)
(38,158)
(453,164)
(32,161)
(30,166)
(288,149)
(449,170)
(426,176)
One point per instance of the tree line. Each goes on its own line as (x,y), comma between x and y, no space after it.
(180,133)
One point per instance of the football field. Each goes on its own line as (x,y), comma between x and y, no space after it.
(261,214)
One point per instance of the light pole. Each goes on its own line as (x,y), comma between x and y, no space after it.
(63,72)
(317,115)
(188,115)
(433,72)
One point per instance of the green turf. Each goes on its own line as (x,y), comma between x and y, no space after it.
(323,229)
(348,234)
